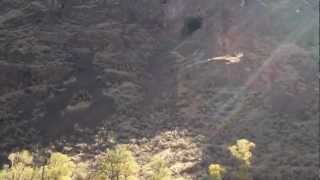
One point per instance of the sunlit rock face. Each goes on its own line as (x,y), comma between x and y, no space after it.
(274,82)
(183,78)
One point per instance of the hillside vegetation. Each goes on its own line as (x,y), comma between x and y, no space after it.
(159,89)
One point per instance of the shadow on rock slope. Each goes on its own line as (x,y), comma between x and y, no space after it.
(80,77)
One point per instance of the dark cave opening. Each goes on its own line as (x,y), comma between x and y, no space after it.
(191,24)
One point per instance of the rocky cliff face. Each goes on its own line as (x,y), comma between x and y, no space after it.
(81,76)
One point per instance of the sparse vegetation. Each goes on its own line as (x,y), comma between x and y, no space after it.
(59,167)
(216,172)
(118,164)
(160,170)
(80,77)
(242,152)
(21,167)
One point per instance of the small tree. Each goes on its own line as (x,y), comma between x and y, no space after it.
(242,151)
(160,170)
(21,167)
(216,172)
(60,167)
(118,164)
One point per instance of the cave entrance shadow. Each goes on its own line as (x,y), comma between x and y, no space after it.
(191,24)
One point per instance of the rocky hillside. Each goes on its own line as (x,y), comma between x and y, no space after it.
(81,76)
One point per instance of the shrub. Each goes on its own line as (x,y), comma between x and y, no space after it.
(216,172)
(242,151)
(160,170)
(21,167)
(82,172)
(60,167)
(24,157)
(118,164)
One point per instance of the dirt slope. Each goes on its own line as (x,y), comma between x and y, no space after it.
(84,76)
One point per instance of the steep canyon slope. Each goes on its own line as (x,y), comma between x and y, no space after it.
(81,76)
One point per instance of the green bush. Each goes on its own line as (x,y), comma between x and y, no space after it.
(216,172)
(118,164)
(242,152)
(115,164)
(60,167)
(160,170)
(21,167)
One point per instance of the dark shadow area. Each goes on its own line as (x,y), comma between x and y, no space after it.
(191,24)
